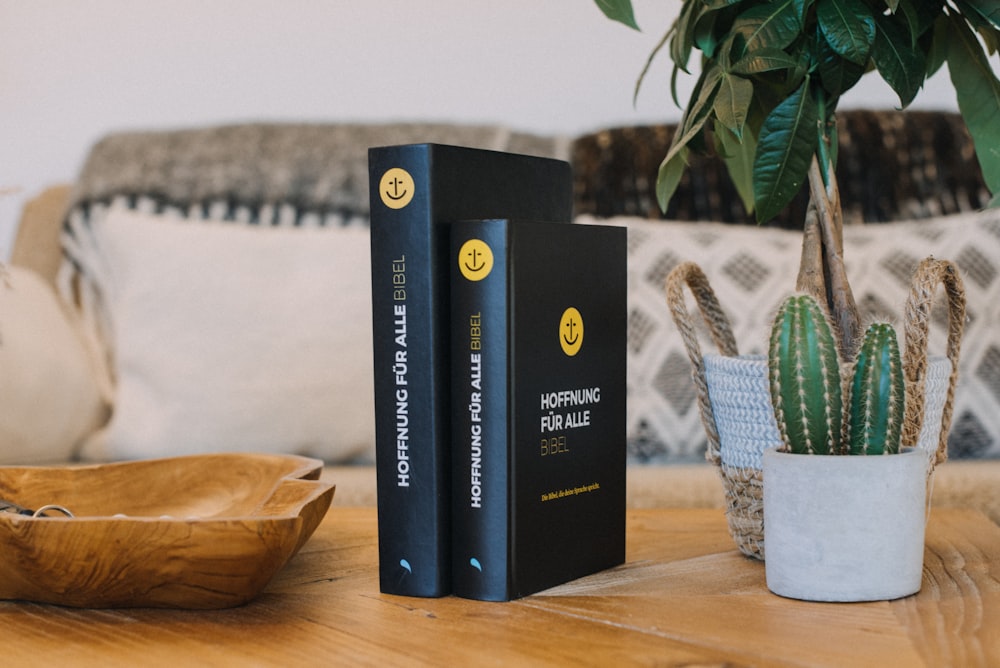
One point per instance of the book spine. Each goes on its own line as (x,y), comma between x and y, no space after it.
(480,428)
(416,191)
(408,312)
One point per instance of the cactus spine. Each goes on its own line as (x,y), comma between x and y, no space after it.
(804,375)
(876,406)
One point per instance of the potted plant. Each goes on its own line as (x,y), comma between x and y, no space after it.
(772,73)
(839,528)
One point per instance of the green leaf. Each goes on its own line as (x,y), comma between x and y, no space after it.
(619,10)
(920,16)
(988,9)
(705,37)
(695,116)
(765,60)
(937,52)
(683,39)
(802,6)
(698,110)
(669,176)
(673,85)
(713,5)
(738,154)
(772,25)
(902,66)
(991,38)
(784,151)
(849,27)
(978,92)
(732,102)
(837,74)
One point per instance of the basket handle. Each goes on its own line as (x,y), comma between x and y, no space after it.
(929,274)
(691,275)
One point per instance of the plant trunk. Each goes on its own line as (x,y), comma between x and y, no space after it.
(821,269)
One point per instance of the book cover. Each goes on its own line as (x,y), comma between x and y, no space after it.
(414,191)
(538,386)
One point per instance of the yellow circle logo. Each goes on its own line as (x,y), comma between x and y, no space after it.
(396,188)
(571,331)
(475,260)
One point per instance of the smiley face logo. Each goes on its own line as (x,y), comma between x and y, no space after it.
(396,188)
(475,260)
(571,331)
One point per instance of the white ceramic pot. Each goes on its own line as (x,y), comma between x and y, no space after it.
(845,528)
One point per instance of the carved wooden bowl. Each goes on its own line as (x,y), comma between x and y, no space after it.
(200,532)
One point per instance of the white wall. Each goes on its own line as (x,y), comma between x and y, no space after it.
(72,70)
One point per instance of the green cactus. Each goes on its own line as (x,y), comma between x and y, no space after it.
(877,391)
(804,374)
(807,390)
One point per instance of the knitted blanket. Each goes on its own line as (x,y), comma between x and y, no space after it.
(261,167)
(892,166)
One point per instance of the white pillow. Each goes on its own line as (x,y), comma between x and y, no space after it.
(752,269)
(233,337)
(49,396)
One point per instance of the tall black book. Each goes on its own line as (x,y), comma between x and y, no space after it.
(415,190)
(538,387)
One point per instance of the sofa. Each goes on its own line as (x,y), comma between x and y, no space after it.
(207,289)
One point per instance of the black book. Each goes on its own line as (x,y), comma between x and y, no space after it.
(538,387)
(415,190)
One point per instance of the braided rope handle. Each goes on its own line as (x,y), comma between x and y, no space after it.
(929,274)
(691,275)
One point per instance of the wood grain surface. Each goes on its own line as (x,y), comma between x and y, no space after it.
(684,597)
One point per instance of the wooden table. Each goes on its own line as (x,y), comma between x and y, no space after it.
(685,596)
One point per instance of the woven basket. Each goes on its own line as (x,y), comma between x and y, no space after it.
(735,404)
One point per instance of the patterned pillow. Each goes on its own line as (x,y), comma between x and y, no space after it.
(753,269)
